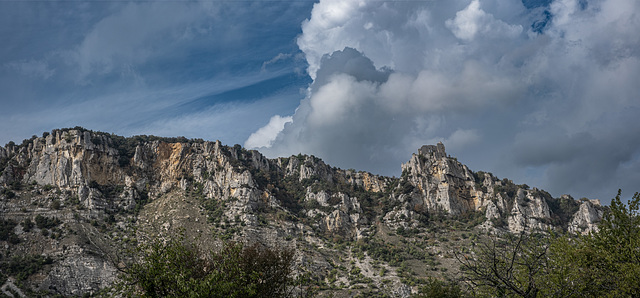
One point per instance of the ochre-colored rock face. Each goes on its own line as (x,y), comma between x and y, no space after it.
(147,186)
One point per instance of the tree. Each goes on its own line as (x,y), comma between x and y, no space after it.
(603,264)
(177,269)
(507,265)
(438,288)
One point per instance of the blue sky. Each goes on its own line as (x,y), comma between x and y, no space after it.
(146,67)
(543,92)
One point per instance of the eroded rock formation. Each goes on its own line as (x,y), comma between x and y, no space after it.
(99,194)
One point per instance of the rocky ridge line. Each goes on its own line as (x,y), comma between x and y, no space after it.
(108,183)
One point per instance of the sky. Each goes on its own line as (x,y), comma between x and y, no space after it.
(543,92)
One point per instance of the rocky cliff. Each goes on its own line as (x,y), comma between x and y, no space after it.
(73,201)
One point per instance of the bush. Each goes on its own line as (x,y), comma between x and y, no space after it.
(27,224)
(55,204)
(8,193)
(176,269)
(6,231)
(24,266)
(44,222)
(438,288)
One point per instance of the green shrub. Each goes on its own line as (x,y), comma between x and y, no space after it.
(6,231)
(21,267)
(176,269)
(44,222)
(27,224)
(438,288)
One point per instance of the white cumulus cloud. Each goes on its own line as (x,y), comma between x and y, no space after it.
(264,136)
(473,21)
(550,90)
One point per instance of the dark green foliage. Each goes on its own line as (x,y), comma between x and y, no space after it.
(6,231)
(500,222)
(242,159)
(78,128)
(27,224)
(215,209)
(108,190)
(478,176)
(198,189)
(16,185)
(143,199)
(126,149)
(21,267)
(176,269)
(263,178)
(4,161)
(507,188)
(55,204)
(26,142)
(620,229)
(380,250)
(479,179)
(406,187)
(112,191)
(8,193)
(471,219)
(441,289)
(290,192)
(96,140)
(562,209)
(45,222)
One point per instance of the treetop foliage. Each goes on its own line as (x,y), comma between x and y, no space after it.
(178,269)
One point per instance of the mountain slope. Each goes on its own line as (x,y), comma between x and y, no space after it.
(74,201)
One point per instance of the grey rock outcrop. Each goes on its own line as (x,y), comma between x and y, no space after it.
(529,211)
(80,274)
(442,182)
(587,218)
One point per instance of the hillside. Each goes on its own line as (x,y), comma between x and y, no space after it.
(74,201)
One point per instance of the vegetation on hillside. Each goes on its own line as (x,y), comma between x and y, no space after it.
(178,269)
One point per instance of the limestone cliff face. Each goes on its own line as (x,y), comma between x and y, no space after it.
(587,218)
(107,193)
(529,211)
(442,182)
